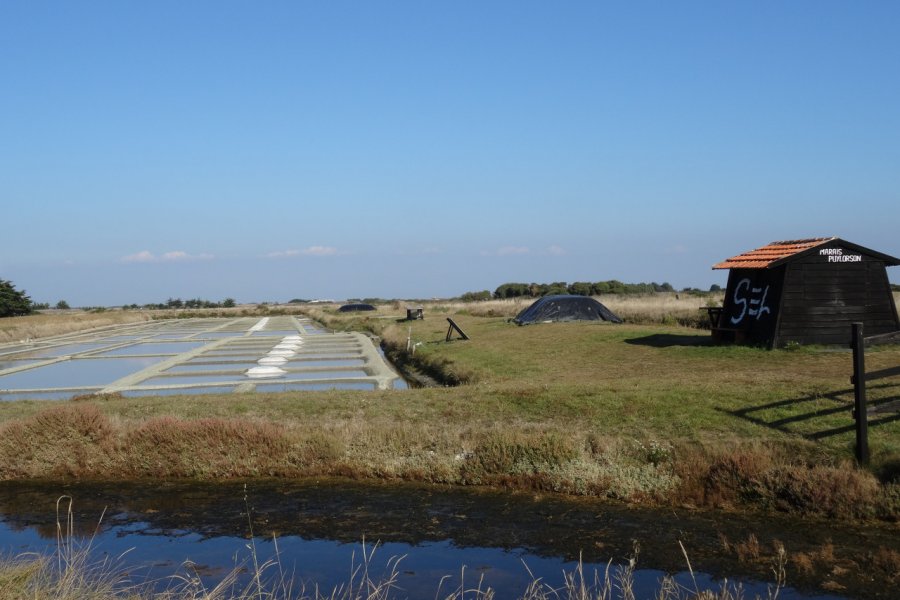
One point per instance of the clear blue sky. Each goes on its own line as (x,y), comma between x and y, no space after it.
(273,150)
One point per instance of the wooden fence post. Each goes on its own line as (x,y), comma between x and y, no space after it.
(860,411)
(454,326)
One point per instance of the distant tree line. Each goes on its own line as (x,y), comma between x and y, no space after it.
(476,296)
(178,303)
(61,305)
(578,288)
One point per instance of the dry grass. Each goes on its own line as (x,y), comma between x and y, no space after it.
(79,440)
(31,327)
(661,308)
(665,308)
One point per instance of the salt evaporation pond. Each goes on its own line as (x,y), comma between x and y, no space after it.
(189,357)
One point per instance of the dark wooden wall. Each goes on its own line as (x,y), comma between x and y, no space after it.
(821,299)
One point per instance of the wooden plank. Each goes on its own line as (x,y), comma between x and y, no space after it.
(454,327)
(830,310)
(835,268)
(885,338)
(854,296)
(801,326)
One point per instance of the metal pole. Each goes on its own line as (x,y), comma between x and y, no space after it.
(860,412)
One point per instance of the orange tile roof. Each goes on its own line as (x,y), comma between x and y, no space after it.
(765,256)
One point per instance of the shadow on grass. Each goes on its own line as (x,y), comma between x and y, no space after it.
(841,402)
(667,340)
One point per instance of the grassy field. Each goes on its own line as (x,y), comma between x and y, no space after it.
(645,413)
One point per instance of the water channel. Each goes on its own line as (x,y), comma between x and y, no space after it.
(446,537)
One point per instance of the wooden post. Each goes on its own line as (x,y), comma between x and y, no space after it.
(860,412)
(454,326)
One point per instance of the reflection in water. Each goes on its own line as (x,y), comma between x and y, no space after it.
(153,348)
(300,387)
(77,373)
(320,524)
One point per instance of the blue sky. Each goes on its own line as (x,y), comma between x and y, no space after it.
(273,150)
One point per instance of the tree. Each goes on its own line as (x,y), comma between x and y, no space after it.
(13,303)
(580,288)
(62,305)
(228,303)
(476,296)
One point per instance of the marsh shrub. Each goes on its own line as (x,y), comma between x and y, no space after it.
(736,476)
(69,440)
(510,453)
(837,491)
(318,448)
(720,477)
(71,424)
(203,448)
(636,483)
(656,453)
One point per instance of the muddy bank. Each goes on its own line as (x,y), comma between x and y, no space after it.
(417,373)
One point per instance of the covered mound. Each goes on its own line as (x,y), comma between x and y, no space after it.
(357,306)
(565,308)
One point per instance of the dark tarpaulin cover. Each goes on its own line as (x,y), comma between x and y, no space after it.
(565,308)
(357,306)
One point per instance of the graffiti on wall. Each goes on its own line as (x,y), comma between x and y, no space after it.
(751,300)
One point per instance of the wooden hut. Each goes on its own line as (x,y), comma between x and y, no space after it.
(805,291)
